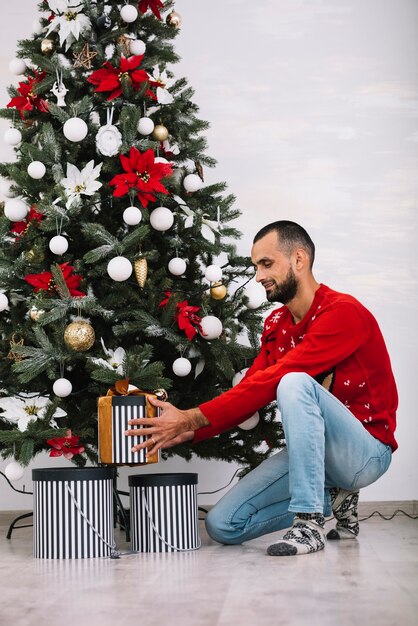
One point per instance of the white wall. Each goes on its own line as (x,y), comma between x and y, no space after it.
(313,108)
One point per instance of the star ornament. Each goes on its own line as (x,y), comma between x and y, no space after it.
(142,174)
(84,58)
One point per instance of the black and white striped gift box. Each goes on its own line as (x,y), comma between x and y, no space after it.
(73,513)
(164,514)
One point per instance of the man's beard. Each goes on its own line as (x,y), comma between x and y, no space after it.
(286,291)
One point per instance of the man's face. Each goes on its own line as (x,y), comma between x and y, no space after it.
(274,270)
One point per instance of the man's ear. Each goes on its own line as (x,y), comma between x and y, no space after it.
(301,258)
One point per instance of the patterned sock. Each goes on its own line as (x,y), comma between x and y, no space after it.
(306,536)
(344,507)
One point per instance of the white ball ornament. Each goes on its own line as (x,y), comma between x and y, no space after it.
(161,218)
(5,188)
(12,136)
(177,266)
(75,129)
(145,126)
(213,273)
(192,182)
(14,471)
(119,268)
(15,209)
(251,422)
(182,367)
(132,215)
(211,327)
(58,244)
(62,387)
(160,160)
(129,13)
(256,296)
(17,67)
(239,376)
(36,170)
(137,47)
(4,302)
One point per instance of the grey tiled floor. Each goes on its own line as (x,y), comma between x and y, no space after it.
(373,581)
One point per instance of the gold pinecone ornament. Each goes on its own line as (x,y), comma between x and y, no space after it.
(79,336)
(141,271)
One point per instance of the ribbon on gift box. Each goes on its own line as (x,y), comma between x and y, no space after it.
(120,388)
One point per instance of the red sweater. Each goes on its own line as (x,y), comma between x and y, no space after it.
(338,343)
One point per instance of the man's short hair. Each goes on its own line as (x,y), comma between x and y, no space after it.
(289,236)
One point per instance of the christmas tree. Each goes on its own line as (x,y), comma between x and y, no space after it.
(117,260)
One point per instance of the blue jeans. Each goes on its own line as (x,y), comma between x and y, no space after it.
(326,447)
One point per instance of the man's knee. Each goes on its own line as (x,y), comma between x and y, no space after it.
(219,530)
(291,385)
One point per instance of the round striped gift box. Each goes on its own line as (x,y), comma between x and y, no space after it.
(73,512)
(164,514)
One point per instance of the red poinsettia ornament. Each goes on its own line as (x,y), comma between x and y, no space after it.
(65,446)
(143,174)
(20,228)
(187,319)
(45,281)
(110,78)
(163,302)
(28,99)
(154,5)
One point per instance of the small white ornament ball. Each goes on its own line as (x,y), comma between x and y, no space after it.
(256,296)
(213,273)
(12,136)
(14,471)
(182,367)
(36,170)
(58,244)
(15,209)
(177,266)
(251,422)
(211,327)
(137,47)
(5,188)
(4,302)
(17,66)
(192,182)
(129,13)
(145,126)
(239,376)
(119,268)
(161,218)
(75,129)
(132,215)
(62,387)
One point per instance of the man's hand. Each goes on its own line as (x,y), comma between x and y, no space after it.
(172,427)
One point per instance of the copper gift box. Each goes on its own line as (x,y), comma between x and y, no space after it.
(114,413)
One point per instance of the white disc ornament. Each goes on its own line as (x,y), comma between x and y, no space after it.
(251,422)
(119,268)
(213,273)
(177,266)
(15,209)
(12,136)
(4,302)
(239,376)
(17,67)
(14,471)
(75,129)
(211,327)
(62,387)
(129,13)
(182,367)
(256,296)
(192,182)
(161,218)
(36,170)
(132,215)
(108,140)
(5,188)
(145,126)
(137,47)
(58,244)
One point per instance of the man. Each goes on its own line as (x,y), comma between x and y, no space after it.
(323,355)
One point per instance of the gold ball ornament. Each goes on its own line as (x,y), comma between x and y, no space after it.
(35,255)
(79,336)
(47,46)
(218,291)
(160,133)
(35,314)
(174,19)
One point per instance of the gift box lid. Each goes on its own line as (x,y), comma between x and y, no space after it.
(162,480)
(73,473)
